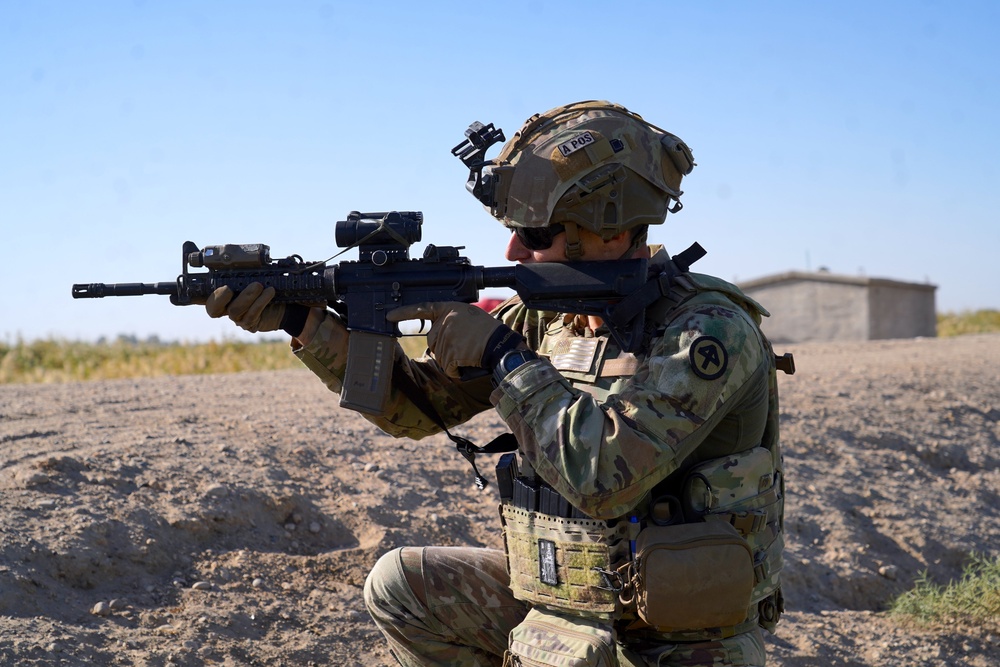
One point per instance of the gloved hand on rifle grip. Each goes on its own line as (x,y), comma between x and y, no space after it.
(461,335)
(252,309)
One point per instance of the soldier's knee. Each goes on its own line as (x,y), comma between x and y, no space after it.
(382,580)
(394,585)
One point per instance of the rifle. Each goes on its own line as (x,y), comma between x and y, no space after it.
(385,277)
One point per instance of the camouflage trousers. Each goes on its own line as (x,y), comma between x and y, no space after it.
(452,606)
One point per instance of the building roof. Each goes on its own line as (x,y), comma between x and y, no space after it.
(827,277)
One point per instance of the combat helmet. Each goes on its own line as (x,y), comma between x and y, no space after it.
(594,165)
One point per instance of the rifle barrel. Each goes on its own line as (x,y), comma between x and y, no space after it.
(100,290)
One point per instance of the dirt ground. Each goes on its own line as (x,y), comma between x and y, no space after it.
(231,519)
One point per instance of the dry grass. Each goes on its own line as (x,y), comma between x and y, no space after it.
(54,360)
(69,361)
(968,322)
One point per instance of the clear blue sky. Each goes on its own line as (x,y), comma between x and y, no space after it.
(858,136)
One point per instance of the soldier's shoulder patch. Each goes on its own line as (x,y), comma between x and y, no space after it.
(709,358)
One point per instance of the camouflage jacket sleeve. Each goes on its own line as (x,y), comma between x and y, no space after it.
(455,402)
(604,457)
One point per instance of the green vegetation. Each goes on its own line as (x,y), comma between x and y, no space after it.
(68,361)
(976,598)
(968,322)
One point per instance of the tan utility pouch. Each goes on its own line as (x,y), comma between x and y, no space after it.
(691,576)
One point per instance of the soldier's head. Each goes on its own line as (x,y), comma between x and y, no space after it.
(585,167)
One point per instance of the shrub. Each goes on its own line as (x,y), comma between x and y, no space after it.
(976,597)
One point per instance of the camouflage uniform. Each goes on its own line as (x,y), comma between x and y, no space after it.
(704,389)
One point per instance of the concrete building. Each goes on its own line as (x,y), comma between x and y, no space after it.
(822,306)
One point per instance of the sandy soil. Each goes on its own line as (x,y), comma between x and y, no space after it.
(231,519)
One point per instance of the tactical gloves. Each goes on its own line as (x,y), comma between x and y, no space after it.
(252,310)
(461,335)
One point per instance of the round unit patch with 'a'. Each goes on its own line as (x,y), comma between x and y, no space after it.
(709,358)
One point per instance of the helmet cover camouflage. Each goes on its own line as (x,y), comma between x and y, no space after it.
(592,163)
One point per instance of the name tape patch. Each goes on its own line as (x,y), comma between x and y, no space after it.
(576,143)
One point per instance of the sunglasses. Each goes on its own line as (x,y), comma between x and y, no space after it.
(538,238)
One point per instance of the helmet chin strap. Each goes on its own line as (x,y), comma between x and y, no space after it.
(574,249)
(640,241)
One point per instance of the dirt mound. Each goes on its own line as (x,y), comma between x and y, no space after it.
(231,519)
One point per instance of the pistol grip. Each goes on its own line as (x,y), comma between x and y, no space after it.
(368,375)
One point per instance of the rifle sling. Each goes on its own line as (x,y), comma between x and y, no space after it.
(505,442)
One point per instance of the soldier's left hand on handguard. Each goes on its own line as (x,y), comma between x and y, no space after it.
(251,309)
